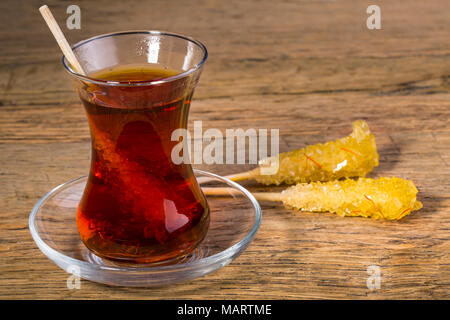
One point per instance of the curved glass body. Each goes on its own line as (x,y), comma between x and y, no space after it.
(137,204)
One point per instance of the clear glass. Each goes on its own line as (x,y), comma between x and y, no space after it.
(235,219)
(138,205)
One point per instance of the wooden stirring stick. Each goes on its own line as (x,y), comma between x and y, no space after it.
(387,198)
(60,39)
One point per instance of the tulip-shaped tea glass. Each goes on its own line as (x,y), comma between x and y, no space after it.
(138,205)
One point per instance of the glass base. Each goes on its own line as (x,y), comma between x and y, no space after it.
(235,219)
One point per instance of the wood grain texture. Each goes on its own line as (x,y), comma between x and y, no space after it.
(306,67)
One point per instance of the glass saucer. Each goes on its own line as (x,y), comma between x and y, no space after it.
(235,219)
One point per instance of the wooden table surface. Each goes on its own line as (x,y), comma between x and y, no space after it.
(308,68)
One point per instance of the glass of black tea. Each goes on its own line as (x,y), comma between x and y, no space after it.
(138,205)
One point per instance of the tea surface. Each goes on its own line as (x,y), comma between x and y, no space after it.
(133,73)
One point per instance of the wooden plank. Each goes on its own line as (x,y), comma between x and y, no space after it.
(308,68)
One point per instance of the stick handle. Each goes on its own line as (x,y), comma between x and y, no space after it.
(242,175)
(233,177)
(60,39)
(268,196)
(263,196)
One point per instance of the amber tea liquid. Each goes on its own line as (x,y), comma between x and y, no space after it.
(138,205)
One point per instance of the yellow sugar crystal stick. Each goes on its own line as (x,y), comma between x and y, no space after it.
(382,198)
(351,156)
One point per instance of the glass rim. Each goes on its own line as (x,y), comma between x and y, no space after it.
(136,83)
